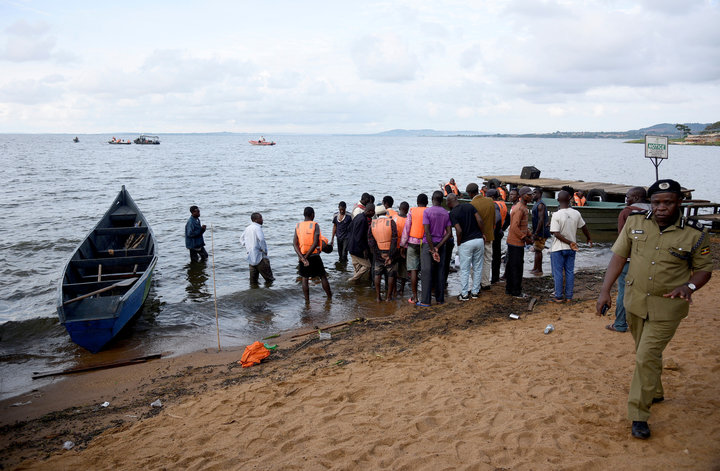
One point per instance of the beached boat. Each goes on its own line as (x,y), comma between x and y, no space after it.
(262,143)
(106,280)
(145,139)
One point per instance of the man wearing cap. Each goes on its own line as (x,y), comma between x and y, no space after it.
(518,236)
(670,261)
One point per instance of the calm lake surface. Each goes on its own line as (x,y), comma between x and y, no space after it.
(55,191)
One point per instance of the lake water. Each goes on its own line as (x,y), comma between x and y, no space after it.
(55,191)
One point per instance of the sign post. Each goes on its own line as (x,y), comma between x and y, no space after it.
(656,149)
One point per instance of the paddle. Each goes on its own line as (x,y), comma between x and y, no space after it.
(120,283)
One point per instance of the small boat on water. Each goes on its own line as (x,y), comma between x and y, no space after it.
(75,139)
(119,142)
(146,139)
(107,278)
(262,142)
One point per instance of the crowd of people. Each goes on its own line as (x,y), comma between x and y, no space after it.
(416,243)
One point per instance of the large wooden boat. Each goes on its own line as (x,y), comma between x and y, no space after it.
(107,279)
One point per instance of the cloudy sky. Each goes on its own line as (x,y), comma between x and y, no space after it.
(357,67)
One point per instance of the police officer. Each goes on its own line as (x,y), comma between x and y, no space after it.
(670,261)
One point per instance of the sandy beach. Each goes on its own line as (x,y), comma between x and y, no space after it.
(459,386)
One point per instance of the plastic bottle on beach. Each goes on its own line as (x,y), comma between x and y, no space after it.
(549,328)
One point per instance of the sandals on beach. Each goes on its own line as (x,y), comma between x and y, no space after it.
(612,327)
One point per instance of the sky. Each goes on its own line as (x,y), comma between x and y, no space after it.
(500,66)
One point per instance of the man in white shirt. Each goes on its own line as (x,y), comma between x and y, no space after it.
(564,226)
(253,239)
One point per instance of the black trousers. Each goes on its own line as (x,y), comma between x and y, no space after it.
(262,268)
(497,257)
(198,254)
(342,248)
(514,270)
(433,275)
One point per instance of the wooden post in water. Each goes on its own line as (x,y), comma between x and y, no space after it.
(217,322)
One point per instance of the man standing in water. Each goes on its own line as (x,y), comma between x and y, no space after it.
(518,236)
(341,228)
(411,239)
(636,200)
(194,240)
(307,243)
(253,239)
(358,245)
(383,243)
(670,261)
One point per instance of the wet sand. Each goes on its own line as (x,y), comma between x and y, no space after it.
(459,386)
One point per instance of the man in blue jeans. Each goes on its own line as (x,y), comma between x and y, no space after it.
(636,200)
(471,245)
(564,226)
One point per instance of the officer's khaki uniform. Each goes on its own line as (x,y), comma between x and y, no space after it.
(659,263)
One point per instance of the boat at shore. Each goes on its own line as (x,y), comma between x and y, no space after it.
(262,143)
(106,280)
(146,139)
(604,203)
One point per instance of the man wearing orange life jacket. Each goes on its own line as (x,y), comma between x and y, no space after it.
(307,243)
(401,221)
(503,193)
(383,243)
(579,198)
(501,218)
(387,202)
(450,187)
(412,237)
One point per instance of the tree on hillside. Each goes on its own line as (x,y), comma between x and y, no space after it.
(710,128)
(685,130)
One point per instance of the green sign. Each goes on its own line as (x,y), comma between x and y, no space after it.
(656,147)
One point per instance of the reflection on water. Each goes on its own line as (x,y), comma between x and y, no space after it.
(197,278)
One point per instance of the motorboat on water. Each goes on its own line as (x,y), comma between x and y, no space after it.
(262,142)
(146,139)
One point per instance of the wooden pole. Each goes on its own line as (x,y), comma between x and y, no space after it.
(217,322)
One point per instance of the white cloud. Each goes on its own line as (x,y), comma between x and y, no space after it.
(385,58)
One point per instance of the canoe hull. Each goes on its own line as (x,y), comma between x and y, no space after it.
(95,299)
(262,143)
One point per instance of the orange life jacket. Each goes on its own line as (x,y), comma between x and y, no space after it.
(416,225)
(306,236)
(579,201)
(382,232)
(453,188)
(503,193)
(400,223)
(503,211)
(391,213)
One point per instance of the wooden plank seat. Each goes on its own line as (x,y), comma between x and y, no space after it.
(140,260)
(113,276)
(78,289)
(117,253)
(110,231)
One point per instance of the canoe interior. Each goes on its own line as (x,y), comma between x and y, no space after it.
(121,246)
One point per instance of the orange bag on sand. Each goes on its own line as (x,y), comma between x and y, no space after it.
(254,354)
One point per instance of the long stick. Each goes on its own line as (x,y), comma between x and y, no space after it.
(217,322)
(103,366)
(127,282)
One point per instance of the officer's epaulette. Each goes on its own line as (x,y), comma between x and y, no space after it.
(638,212)
(693,223)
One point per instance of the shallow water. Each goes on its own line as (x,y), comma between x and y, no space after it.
(56,190)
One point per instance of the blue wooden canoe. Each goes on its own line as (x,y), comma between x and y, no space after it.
(107,279)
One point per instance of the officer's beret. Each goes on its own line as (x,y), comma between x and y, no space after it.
(665,186)
(492,193)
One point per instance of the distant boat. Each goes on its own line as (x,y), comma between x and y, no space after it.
(75,139)
(107,279)
(119,142)
(146,139)
(262,143)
